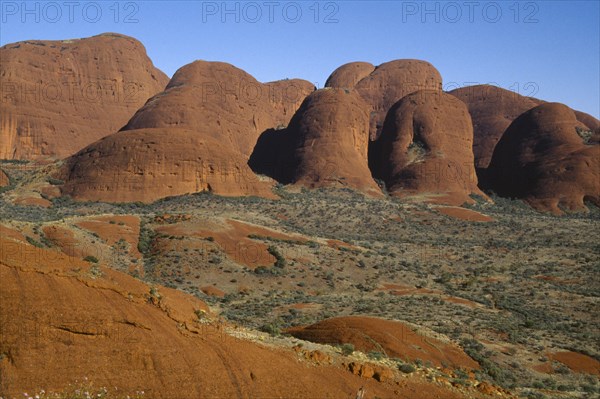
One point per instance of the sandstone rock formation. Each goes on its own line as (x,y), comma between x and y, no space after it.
(272,155)
(348,75)
(148,164)
(386,84)
(59,96)
(545,158)
(285,96)
(589,121)
(426,148)
(329,142)
(492,110)
(195,136)
(393,338)
(223,102)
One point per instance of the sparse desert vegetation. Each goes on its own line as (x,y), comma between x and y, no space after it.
(513,292)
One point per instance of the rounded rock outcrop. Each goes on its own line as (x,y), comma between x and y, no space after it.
(492,110)
(548,158)
(59,96)
(426,149)
(148,164)
(386,84)
(195,136)
(227,103)
(330,135)
(348,75)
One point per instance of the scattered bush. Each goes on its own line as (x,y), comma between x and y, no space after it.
(34,242)
(271,329)
(376,355)
(95,271)
(407,368)
(347,349)
(55,182)
(145,240)
(279,259)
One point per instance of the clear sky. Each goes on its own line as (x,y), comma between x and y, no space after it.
(548,49)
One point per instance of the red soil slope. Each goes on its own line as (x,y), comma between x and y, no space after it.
(233,237)
(112,229)
(64,239)
(577,362)
(393,338)
(62,321)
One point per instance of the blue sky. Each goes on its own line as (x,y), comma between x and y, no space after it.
(549,49)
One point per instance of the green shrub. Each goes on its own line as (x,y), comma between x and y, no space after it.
(538,385)
(269,271)
(534,395)
(155,296)
(407,368)
(279,259)
(34,242)
(200,314)
(347,349)
(476,351)
(145,240)
(588,388)
(55,182)
(565,388)
(376,355)
(271,329)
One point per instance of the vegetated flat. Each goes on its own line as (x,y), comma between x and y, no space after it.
(518,293)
